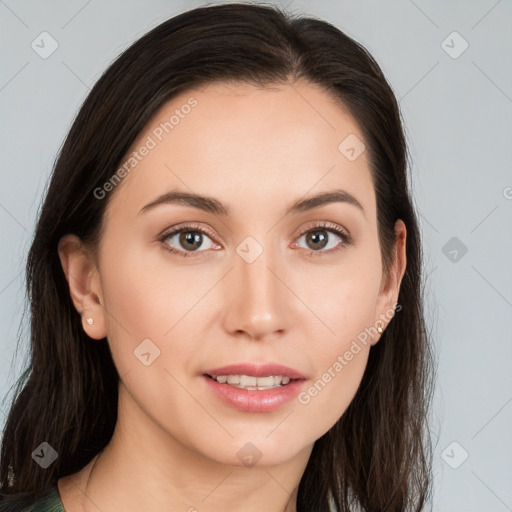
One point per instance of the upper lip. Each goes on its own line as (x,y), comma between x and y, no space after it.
(263,370)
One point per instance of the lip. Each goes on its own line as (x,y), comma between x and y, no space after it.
(252,400)
(263,370)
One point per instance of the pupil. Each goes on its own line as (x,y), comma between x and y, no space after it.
(317,237)
(191,237)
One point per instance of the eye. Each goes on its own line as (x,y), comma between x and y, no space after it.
(188,239)
(320,238)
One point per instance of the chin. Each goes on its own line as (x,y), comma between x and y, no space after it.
(258,450)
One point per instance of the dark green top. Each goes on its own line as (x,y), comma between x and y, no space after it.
(50,502)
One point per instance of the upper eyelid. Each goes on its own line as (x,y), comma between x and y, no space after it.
(328,226)
(190,227)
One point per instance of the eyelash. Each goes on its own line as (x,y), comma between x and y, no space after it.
(332,228)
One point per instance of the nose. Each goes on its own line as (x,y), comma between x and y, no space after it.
(257,302)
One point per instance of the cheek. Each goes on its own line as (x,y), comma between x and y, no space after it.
(343,309)
(144,293)
(148,326)
(339,345)
(142,304)
(155,322)
(342,293)
(339,372)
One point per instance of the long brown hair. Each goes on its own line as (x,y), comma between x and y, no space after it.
(377,457)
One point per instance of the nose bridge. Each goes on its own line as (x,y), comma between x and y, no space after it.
(256,304)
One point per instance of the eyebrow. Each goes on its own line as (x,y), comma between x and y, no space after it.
(214,206)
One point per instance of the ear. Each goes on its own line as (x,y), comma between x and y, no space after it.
(84,283)
(390,285)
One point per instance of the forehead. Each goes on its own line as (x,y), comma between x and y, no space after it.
(243,142)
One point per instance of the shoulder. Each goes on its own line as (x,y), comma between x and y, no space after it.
(50,502)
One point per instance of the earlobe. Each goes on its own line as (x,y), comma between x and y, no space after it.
(84,284)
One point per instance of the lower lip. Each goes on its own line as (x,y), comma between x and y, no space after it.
(252,400)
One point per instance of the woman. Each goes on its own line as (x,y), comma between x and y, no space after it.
(225,284)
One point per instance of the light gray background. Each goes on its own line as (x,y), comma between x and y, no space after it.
(457,114)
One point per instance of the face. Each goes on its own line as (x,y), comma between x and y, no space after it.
(248,277)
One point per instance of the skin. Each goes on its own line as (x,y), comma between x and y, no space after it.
(257,151)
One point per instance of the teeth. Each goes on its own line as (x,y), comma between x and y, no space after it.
(233,379)
(246,381)
(250,382)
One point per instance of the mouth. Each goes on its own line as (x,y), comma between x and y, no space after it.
(247,374)
(250,382)
(254,388)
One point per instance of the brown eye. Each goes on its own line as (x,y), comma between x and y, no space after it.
(317,239)
(324,239)
(191,240)
(186,240)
